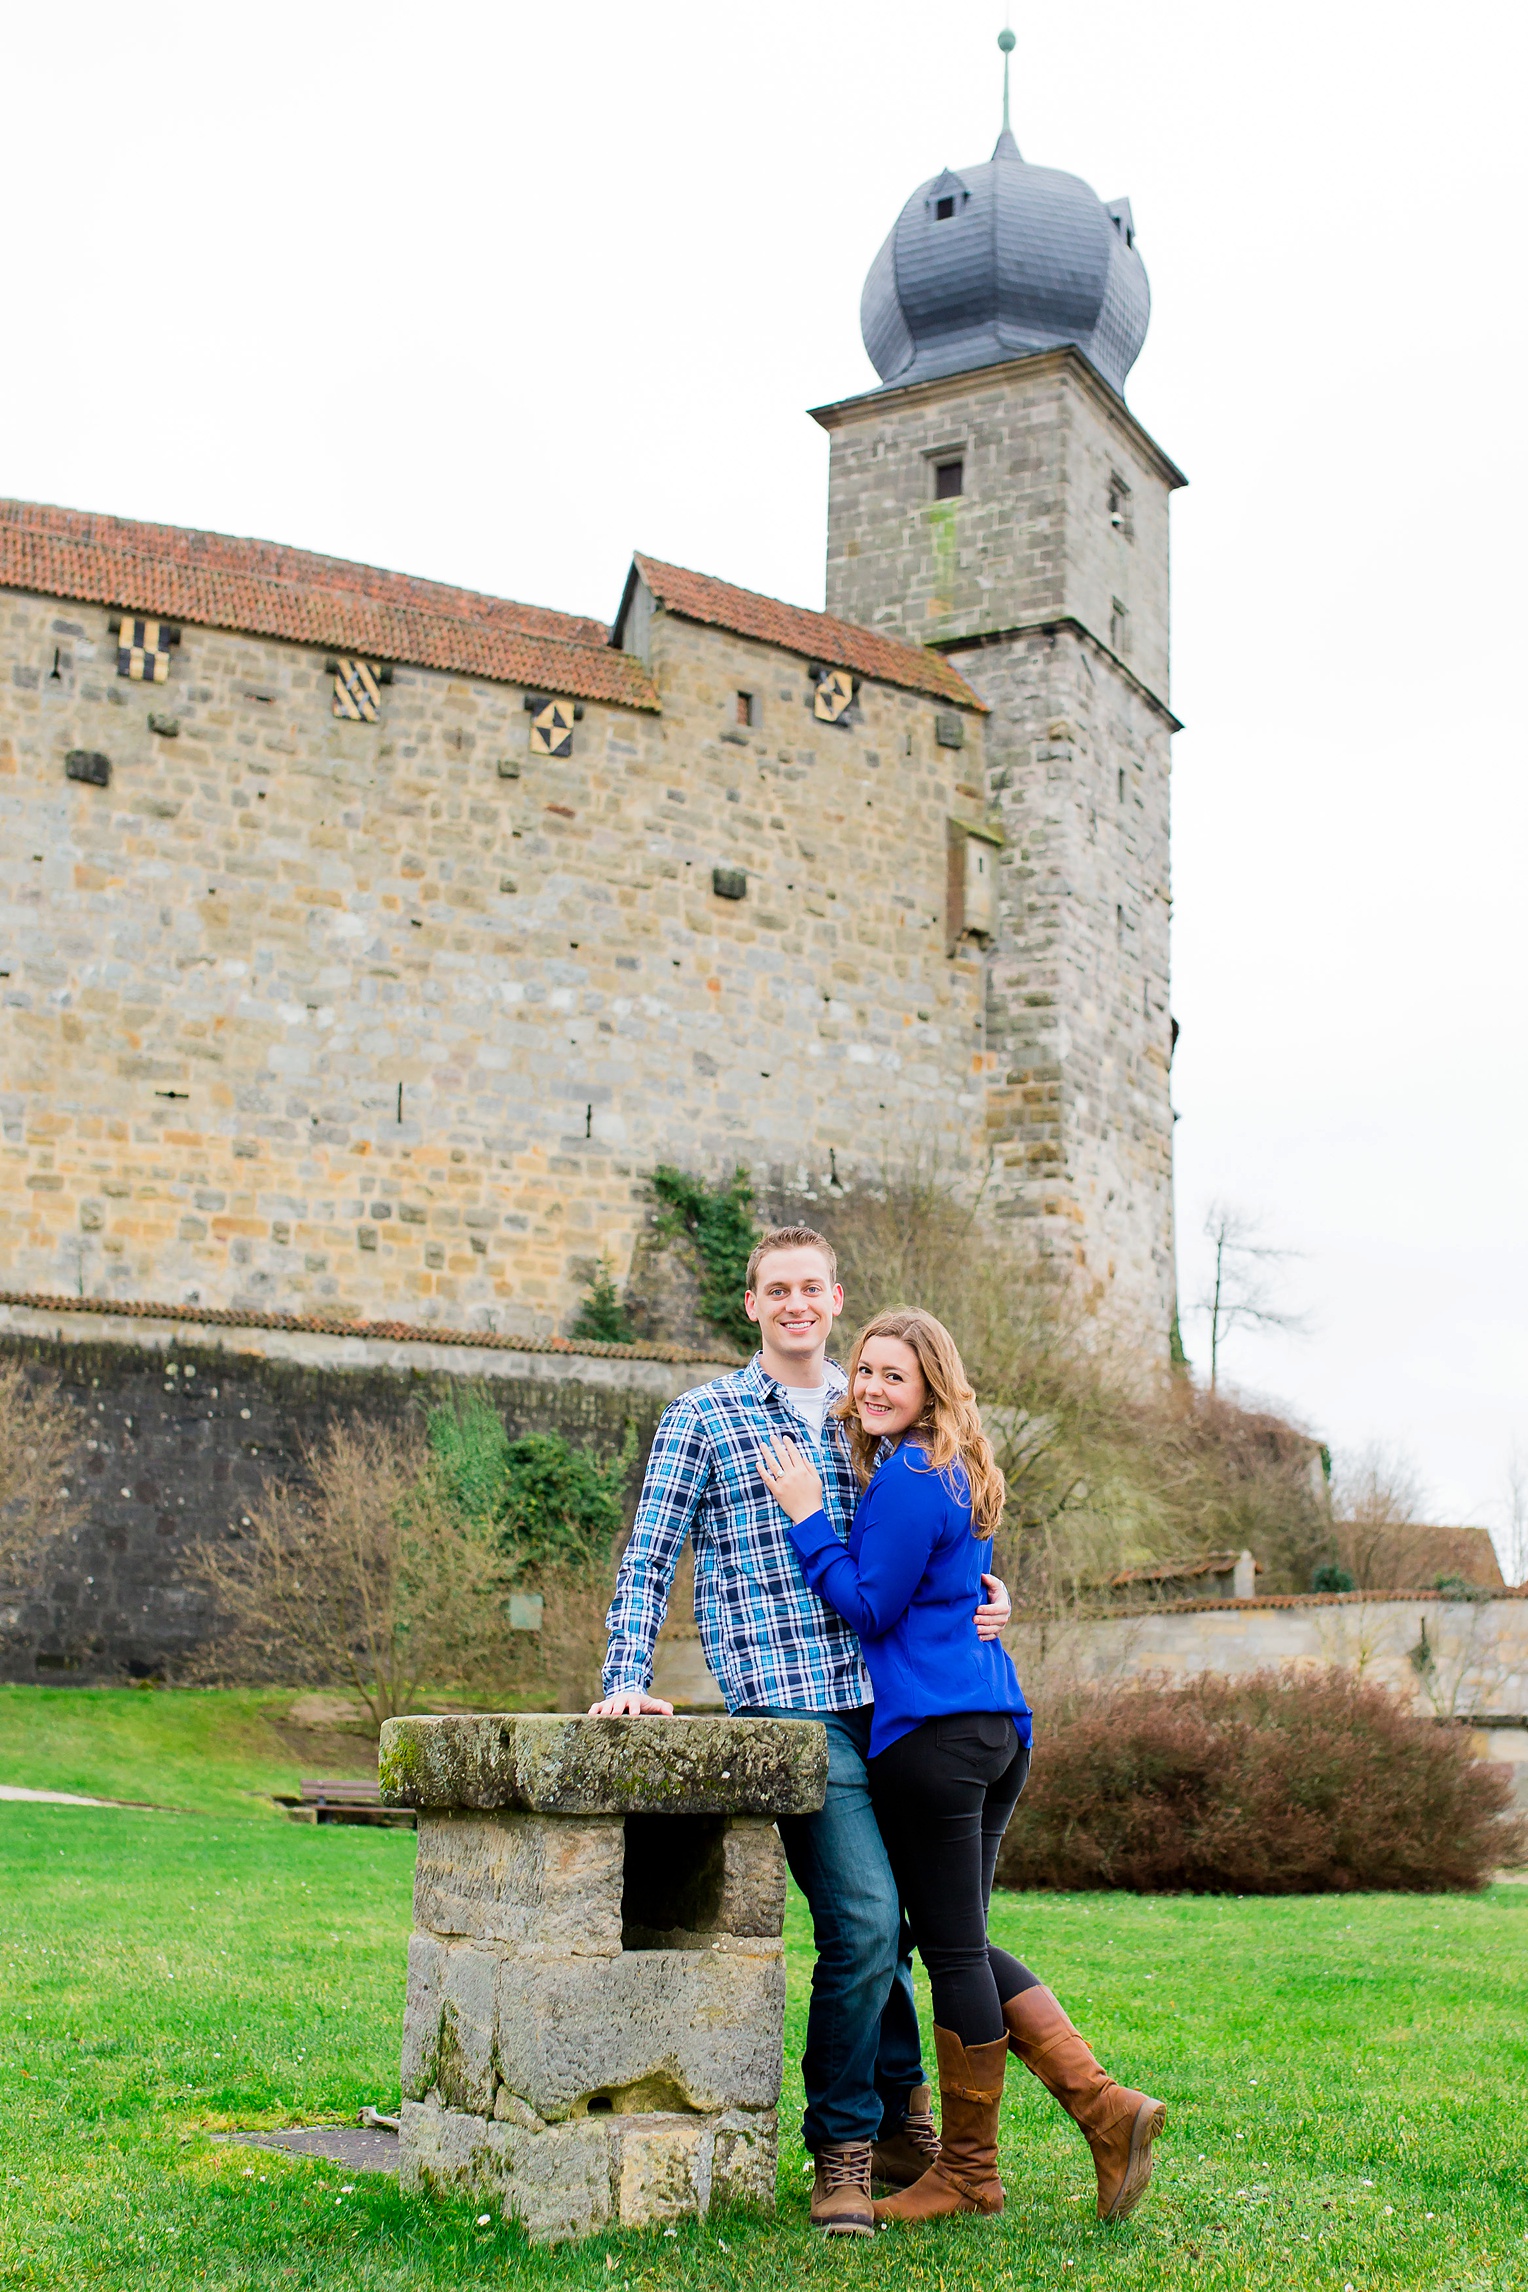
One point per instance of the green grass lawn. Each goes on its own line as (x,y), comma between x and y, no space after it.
(217,1750)
(1345,2080)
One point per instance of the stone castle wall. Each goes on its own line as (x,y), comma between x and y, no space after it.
(1078,1025)
(1029,540)
(184,1425)
(396,1019)
(1019,580)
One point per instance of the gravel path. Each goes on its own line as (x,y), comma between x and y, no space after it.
(53,1798)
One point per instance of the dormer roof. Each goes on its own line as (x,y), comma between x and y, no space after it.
(796,629)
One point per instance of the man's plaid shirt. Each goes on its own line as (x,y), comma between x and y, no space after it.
(767,1639)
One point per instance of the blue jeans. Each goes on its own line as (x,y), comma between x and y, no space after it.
(863,2052)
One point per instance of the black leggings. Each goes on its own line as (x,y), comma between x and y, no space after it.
(942,1797)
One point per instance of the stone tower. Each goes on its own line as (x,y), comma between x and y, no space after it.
(996,499)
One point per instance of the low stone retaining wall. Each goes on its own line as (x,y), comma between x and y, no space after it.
(184,1421)
(1464,1661)
(596,1988)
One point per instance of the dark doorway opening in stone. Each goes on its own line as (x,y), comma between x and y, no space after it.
(674,1874)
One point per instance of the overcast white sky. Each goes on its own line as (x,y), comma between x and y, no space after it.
(496,294)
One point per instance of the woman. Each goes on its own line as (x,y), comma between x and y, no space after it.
(949,1752)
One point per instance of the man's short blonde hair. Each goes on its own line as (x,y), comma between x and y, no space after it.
(789,1237)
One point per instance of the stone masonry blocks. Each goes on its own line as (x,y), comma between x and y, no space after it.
(336,1018)
(535,1882)
(548,1764)
(596,1988)
(678,2029)
(1053,600)
(596,2172)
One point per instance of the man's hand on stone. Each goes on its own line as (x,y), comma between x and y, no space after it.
(632,1704)
(992,1616)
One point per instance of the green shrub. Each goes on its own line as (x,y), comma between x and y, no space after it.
(550,1506)
(1330,1578)
(602,1317)
(470,1448)
(1271,1784)
(562,1506)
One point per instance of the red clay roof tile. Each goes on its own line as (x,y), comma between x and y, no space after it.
(216,580)
(839,644)
(333,1325)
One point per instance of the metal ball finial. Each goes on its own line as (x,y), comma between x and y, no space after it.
(1007,43)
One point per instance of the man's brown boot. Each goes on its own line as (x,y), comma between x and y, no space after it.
(1118,2123)
(970,2100)
(841,2190)
(900,2158)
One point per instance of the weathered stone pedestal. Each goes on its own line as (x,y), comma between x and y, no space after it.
(592,2035)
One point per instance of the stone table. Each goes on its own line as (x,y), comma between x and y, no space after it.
(592,2034)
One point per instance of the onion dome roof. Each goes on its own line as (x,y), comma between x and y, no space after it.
(996,261)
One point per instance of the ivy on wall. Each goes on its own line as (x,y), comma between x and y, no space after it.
(719,1224)
(548,1504)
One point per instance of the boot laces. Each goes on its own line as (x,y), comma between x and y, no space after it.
(920,2132)
(845,2167)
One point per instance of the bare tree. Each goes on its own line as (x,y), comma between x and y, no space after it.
(39,1491)
(1517,1517)
(1378,1516)
(364,1574)
(1242,1292)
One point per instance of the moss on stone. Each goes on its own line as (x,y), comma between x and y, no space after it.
(551,1764)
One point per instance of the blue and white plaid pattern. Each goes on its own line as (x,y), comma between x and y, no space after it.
(768,1640)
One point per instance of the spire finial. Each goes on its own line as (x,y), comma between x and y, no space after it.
(1006,147)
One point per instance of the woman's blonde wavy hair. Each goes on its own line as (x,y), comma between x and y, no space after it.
(950,1427)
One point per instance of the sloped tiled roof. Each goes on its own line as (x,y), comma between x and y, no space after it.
(331,1325)
(1418,1552)
(218,581)
(1175,1571)
(838,644)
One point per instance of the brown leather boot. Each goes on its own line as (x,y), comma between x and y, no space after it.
(841,2190)
(1118,2123)
(900,2158)
(970,2099)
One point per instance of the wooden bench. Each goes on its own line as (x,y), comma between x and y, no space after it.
(343,1800)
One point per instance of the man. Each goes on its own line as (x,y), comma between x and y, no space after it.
(779,1652)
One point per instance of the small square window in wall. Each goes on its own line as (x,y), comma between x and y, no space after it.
(1119,629)
(949,480)
(747,707)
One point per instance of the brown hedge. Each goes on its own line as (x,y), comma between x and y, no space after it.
(1270,1784)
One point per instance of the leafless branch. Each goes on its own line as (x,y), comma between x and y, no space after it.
(1242,1292)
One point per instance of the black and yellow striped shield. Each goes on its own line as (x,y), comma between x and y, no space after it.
(356,692)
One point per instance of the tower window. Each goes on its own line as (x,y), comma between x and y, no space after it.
(746,704)
(1119,507)
(943,209)
(1119,628)
(949,480)
(1122,783)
